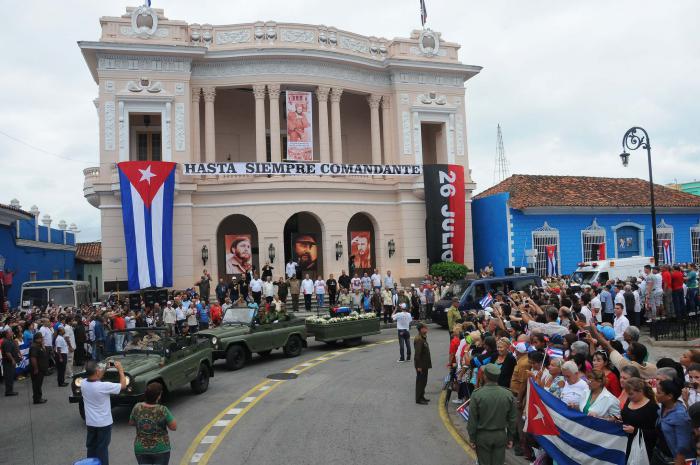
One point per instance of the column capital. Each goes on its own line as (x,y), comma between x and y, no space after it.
(259,91)
(209,93)
(373,101)
(336,92)
(322,93)
(386,102)
(196,94)
(274,91)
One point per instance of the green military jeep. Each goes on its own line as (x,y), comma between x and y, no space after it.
(240,336)
(150,355)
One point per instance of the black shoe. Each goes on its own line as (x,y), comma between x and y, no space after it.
(40,401)
(408,359)
(422,402)
(8,394)
(426,400)
(62,384)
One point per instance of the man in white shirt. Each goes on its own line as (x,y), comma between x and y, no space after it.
(47,333)
(61,357)
(596,306)
(307,288)
(320,290)
(388,280)
(180,317)
(169,318)
(403,323)
(70,339)
(620,298)
(291,268)
(585,311)
(620,324)
(256,287)
(376,280)
(98,409)
(268,289)
(355,283)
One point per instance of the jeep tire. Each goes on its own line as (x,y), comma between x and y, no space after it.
(201,383)
(235,357)
(293,346)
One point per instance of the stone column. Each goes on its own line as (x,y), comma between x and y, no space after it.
(336,92)
(260,152)
(209,126)
(196,143)
(323,136)
(373,101)
(275,141)
(387,133)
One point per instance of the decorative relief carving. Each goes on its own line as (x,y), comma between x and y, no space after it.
(179,88)
(109,87)
(459,134)
(327,38)
(167,147)
(352,44)
(336,94)
(209,93)
(287,67)
(273,91)
(237,36)
(145,84)
(429,43)
(136,63)
(196,93)
(322,93)
(259,91)
(373,101)
(430,98)
(411,77)
(451,139)
(416,51)
(160,33)
(180,127)
(406,124)
(144,22)
(417,140)
(404,99)
(109,120)
(122,129)
(266,32)
(298,36)
(386,102)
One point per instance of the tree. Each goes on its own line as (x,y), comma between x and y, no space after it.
(449,271)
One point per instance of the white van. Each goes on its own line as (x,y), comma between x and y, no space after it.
(601,271)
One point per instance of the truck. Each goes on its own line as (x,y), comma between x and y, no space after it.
(240,335)
(601,271)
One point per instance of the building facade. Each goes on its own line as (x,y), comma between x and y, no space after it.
(584,218)
(31,250)
(692,187)
(174,91)
(88,267)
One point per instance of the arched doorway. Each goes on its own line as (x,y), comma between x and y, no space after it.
(237,246)
(303,242)
(362,256)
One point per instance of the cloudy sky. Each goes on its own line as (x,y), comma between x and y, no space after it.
(564,79)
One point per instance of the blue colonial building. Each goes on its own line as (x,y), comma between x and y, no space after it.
(31,250)
(583,218)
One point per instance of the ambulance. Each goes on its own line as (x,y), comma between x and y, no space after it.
(601,271)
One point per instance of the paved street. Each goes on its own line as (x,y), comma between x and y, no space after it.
(355,406)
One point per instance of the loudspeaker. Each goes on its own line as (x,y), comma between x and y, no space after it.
(134,301)
(510,271)
(530,270)
(162,297)
(150,298)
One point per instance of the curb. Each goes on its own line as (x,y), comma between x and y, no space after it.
(694,343)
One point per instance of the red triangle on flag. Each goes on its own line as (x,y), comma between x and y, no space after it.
(539,421)
(146,176)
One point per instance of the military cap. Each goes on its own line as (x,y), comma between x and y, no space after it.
(492,371)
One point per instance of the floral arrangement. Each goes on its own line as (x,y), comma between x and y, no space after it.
(327,320)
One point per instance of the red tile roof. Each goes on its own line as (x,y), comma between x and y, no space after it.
(89,252)
(530,191)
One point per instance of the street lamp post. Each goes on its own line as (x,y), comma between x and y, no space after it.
(633,141)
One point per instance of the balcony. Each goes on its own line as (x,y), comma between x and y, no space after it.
(92,176)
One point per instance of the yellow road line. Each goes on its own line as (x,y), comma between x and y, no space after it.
(258,391)
(442,410)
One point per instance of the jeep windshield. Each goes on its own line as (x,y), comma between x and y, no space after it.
(141,340)
(238,316)
(584,277)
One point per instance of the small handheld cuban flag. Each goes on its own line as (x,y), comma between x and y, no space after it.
(551,260)
(486,301)
(666,246)
(147,190)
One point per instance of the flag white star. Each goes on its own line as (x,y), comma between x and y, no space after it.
(146,174)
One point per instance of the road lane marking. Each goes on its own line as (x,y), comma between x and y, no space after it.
(442,410)
(234,413)
(207,439)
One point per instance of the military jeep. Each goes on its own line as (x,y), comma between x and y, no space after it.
(241,335)
(151,355)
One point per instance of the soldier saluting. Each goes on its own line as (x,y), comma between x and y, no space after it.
(491,425)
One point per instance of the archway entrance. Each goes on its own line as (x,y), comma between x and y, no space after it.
(237,246)
(362,254)
(303,242)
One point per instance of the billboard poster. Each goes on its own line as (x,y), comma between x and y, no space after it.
(239,253)
(361,249)
(300,140)
(445,212)
(305,251)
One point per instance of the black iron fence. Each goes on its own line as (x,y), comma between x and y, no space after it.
(676,330)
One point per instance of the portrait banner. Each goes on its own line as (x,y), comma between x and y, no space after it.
(305,251)
(361,249)
(239,253)
(300,140)
(446,212)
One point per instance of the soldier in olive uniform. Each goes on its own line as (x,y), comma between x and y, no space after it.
(422,362)
(492,414)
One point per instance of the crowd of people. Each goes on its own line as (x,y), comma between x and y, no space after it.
(578,344)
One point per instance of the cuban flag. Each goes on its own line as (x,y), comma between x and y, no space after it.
(486,301)
(23,366)
(666,246)
(147,189)
(551,260)
(569,436)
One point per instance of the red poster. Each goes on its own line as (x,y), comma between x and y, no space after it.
(361,249)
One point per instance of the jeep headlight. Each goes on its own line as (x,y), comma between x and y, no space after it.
(129,387)
(128,379)
(78,381)
(214,340)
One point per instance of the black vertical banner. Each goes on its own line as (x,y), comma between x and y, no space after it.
(445,212)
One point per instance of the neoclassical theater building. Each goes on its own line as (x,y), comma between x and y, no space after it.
(173,91)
